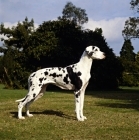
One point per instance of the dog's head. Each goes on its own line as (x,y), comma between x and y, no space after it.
(94,52)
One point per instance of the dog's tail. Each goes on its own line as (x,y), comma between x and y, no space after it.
(20,100)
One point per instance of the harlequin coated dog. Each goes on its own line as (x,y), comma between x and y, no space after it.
(73,77)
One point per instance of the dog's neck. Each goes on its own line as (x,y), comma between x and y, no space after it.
(86,61)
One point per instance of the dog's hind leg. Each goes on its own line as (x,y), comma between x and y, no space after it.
(27,109)
(20,107)
(35,98)
(26,101)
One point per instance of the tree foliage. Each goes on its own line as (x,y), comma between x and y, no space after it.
(75,14)
(129,62)
(55,43)
(135,5)
(126,52)
(131,29)
(128,58)
(17,46)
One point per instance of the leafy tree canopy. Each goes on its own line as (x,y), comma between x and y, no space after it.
(131,29)
(126,52)
(130,65)
(73,13)
(56,43)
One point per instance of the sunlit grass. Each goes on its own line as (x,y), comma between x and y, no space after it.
(111,115)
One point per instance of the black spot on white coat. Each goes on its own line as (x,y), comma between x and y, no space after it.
(66,79)
(53,75)
(41,79)
(59,68)
(75,79)
(45,73)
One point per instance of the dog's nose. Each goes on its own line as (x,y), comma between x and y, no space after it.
(104,56)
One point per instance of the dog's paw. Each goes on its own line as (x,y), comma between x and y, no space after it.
(84,117)
(21,118)
(80,119)
(29,115)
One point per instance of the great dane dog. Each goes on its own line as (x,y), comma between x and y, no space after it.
(73,77)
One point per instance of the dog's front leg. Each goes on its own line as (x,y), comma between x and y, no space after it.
(77,107)
(82,94)
(82,105)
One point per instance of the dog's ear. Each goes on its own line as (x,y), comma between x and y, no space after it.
(89,53)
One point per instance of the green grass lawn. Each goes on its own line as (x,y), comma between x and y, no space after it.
(112,115)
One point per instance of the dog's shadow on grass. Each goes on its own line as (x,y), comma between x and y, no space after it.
(55,113)
(125,105)
(48,112)
(122,98)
